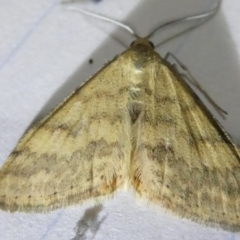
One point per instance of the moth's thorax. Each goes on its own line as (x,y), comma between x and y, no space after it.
(142,61)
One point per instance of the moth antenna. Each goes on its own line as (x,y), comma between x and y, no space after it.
(101,17)
(204,16)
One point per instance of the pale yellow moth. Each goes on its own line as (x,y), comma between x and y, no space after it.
(136,123)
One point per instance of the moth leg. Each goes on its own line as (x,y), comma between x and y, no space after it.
(190,79)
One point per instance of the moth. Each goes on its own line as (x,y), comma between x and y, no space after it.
(135,123)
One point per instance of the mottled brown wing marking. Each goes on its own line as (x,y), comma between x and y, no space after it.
(78,152)
(183,159)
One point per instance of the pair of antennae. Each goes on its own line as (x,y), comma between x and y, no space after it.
(206,16)
(202,16)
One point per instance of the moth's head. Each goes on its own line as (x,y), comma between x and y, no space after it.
(143,41)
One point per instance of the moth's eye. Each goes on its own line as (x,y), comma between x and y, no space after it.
(151,44)
(132,43)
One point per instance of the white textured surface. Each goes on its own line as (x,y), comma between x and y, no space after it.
(44,53)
